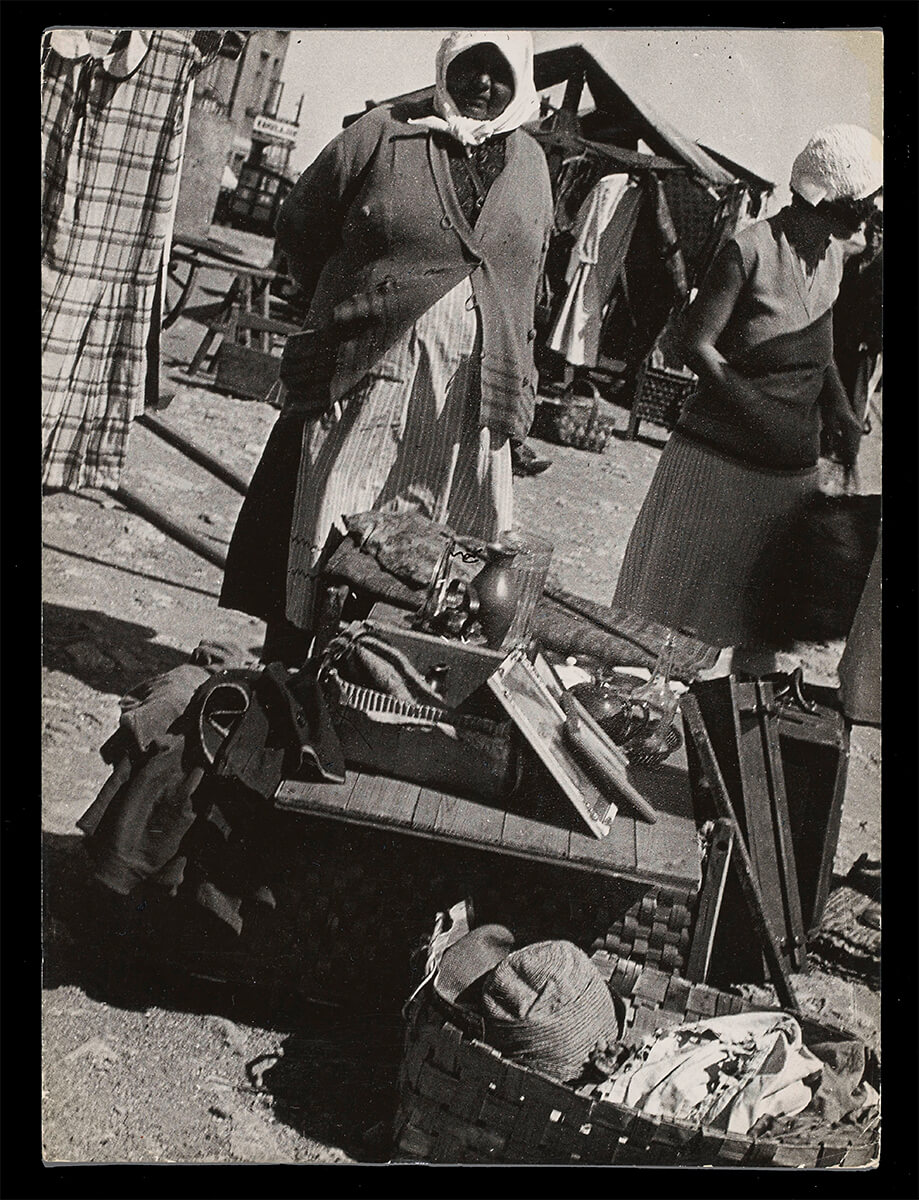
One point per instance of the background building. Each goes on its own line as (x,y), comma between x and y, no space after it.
(239,119)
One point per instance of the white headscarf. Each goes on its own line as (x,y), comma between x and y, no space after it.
(839,162)
(517,47)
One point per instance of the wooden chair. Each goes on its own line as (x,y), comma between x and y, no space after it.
(237,318)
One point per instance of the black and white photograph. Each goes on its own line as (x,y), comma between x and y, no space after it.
(461,595)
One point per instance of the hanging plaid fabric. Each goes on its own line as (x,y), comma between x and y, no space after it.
(114,108)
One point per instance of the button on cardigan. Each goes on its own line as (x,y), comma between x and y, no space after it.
(374,231)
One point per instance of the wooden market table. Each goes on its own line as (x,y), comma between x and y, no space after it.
(647,877)
(189,254)
(237,352)
(666,852)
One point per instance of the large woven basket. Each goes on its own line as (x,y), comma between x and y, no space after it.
(661,395)
(462,1102)
(586,424)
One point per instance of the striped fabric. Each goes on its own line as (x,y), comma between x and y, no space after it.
(407,438)
(697,546)
(112,150)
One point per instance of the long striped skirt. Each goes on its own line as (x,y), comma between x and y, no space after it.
(407,438)
(697,557)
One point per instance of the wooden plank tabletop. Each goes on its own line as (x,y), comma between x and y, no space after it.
(666,845)
(532,824)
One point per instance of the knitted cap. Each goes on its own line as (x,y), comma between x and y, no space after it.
(465,961)
(546,1006)
(841,162)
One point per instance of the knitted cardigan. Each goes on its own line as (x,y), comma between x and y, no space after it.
(374,231)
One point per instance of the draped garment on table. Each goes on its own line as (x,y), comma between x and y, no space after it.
(114,116)
(603,232)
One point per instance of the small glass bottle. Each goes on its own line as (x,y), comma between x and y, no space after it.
(659,737)
(657,693)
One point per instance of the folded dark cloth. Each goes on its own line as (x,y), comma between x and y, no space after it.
(136,824)
(281,728)
(195,768)
(149,710)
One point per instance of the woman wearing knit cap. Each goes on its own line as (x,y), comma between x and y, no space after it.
(419,233)
(744,454)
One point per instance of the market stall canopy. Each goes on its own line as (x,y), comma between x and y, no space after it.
(756,182)
(632,117)
(617,118)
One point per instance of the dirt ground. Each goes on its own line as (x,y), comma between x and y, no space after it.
(144,1067)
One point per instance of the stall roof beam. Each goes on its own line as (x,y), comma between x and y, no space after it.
(755,181)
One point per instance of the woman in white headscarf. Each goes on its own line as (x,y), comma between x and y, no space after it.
(419,233)
(744,454)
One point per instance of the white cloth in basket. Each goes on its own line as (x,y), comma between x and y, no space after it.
(725,1073)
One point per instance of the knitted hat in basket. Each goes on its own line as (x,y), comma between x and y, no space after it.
(546,1006)
(840,162)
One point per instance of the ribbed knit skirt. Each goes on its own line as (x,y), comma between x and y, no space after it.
(697,557)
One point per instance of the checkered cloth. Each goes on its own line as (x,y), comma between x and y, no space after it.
(112,149)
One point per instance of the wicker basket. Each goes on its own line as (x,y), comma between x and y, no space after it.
(577,421)
(661,394)
(460,1101)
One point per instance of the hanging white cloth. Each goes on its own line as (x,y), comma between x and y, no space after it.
(603,231)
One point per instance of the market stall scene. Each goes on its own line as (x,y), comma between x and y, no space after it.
(462,556)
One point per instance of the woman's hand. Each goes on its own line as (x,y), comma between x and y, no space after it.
(842,427)
(307,363)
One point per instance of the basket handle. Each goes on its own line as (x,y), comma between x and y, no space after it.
(593,418)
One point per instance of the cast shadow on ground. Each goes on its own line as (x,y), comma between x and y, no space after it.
(337,1083)
(106,653)
(126,951)
(335,1077)
(113,566)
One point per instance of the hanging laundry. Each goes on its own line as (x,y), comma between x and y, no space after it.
(671,252)
(114,113)
(602,232)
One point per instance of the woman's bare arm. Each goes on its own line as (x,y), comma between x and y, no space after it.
(706,320)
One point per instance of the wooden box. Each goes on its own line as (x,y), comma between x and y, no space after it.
(244,371)
(784,761)
(815,760)
(464,745)
(457,670)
